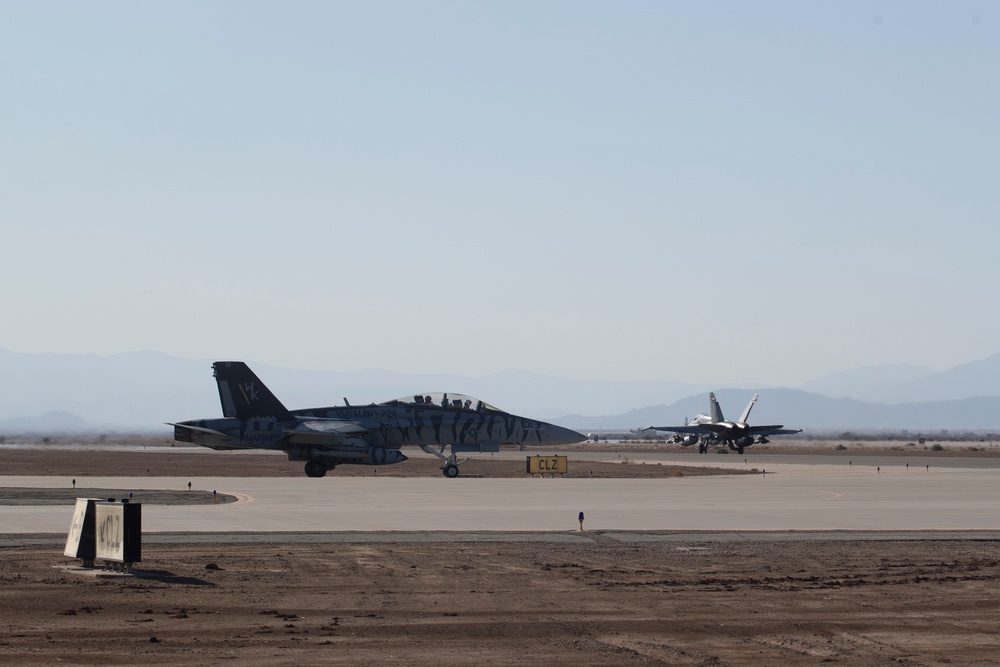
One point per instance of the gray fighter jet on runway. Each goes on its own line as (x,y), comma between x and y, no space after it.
(253,418)
(711,429)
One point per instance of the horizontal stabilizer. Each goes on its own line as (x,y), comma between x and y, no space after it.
(198,429)
(206,437)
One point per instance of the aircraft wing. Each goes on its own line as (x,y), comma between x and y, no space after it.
(777,429)
(338,427)
(323,432)
(691,428)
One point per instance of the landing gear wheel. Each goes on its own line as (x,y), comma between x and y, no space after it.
(451,470)
(739,450)
(315,469)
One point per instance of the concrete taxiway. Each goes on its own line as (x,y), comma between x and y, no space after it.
(791,497)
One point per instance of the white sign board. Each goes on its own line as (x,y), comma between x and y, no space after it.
(110,531)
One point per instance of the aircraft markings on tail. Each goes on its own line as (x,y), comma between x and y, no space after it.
(254,418)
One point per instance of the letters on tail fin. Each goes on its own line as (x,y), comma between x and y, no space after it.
(243,395)
(715,411)
(746,413)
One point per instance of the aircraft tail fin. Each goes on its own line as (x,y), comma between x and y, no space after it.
(746,413)
(716,409)
(243,395)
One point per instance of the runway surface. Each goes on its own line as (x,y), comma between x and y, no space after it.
(790,497)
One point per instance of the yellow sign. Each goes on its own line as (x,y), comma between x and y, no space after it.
(553,465)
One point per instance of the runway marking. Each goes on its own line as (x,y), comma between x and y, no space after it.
(833,495)
(241,498)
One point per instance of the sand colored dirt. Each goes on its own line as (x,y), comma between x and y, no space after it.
(593,602)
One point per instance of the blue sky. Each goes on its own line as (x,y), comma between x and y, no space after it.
(713,192)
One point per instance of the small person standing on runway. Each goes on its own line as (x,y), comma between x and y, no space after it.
(581,520)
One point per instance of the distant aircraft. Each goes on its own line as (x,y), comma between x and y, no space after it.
(253,418)
(708,430)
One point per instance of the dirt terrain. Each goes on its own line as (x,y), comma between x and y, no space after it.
(441,602)
(168,462)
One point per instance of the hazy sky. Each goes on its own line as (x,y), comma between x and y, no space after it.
(703,191)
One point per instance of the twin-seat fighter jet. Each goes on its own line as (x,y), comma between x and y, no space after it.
(253,418)
(708,430)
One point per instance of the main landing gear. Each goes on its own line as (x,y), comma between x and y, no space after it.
(704,446)
(317,468)
(735,447)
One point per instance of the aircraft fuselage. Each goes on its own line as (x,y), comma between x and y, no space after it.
(406,424)
(365,434)
(383,429)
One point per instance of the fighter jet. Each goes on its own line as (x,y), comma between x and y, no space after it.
(707,430)
(253,418)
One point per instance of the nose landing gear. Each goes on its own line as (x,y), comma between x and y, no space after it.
(451,462)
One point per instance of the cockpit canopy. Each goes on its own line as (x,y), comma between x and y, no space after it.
(445,400)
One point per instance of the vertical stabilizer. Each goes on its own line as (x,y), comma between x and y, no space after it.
(243,395)
(746,413)
(714,410)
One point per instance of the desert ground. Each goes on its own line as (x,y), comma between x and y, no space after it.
(543,600)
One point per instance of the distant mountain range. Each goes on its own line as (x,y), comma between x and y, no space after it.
(142,390)
(912,384)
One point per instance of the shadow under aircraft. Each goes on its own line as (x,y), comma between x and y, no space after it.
(253,418)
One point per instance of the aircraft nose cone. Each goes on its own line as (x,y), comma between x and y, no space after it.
(557,435)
